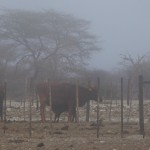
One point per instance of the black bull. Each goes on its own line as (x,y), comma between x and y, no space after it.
(63,98)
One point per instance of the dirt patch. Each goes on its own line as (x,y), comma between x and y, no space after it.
(78,136)
(75,136)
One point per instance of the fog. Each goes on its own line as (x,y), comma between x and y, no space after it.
(122,26)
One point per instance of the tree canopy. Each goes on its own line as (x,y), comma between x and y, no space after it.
(46,43)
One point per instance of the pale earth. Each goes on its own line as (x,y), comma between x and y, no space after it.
(75,136)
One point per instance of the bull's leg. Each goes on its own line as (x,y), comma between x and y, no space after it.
(74,117)
(1,115)
(71,115)
(42,110)
(56,117)
(70,112)
(1,111)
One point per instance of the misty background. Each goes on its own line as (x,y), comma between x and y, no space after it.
(122,26)
(121,30)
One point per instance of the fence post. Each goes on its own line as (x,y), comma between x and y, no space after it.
(88,107)
(141,114)
(30,106)
(121,107)
(87,111)
(25,97)
(77,101)
(98,100)
(50,101)
(128,92)
(111,99)
(5,106)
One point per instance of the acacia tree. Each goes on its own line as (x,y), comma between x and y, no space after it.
(59,41)
(134,66)
(7,57)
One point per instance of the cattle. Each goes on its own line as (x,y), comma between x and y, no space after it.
(63,97)
(2,96)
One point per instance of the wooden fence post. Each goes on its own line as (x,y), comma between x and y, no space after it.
(121,107)
(88,107)
(30,106)
(98,100)
(141,114)
(128,92)
(77,101)
(87,111)
(111,100)
(50,101)
(5,105)
(25,97)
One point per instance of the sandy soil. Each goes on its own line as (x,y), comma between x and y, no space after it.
(75,136)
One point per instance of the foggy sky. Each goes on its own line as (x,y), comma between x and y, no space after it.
(122,25)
